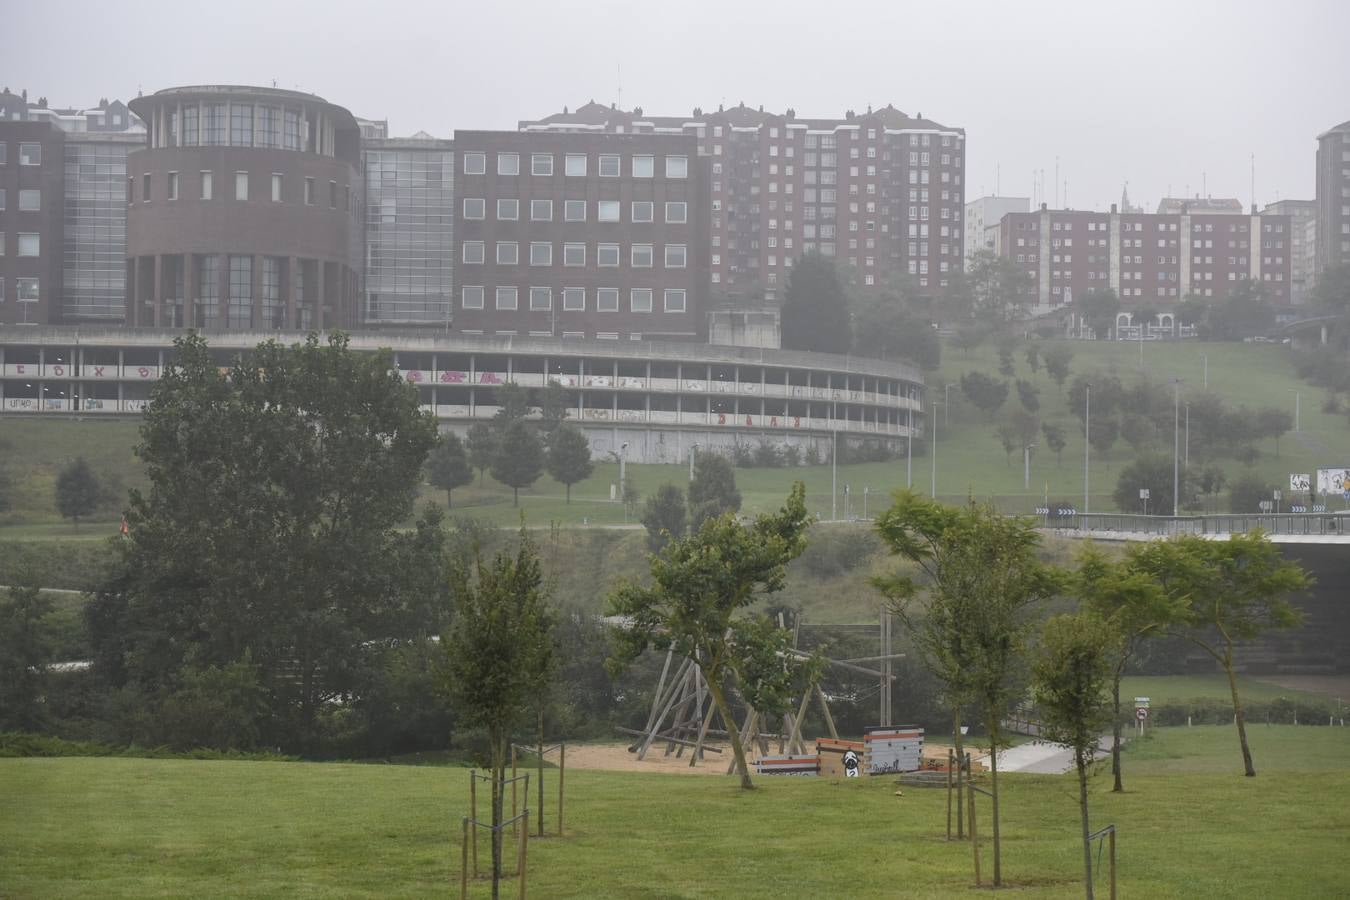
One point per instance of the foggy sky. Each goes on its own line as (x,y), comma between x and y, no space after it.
(1164,94)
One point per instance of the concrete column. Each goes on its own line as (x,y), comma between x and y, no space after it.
(1113,241)
(1257,242)
(1184,254)
(1043,258)
(222,290)
(158,300)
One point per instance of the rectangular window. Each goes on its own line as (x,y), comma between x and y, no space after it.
(675,301)
(309,192)
(607,255)
(473,252)
(574,299)
(30,245)
(145,188)
(508,163)
(30,154)
(574,255)
(276,188)
(541,163)
(241,124)
(643,210)
(475,163)
(574,210)
(607,211)
(472,297)
(475,208)
(240,310)
(131,194)
(241,185)
(508,209)
(575,164)
(508,253)
(506,298)
(27,290)
(675,256)
(4,153)
(30,201)
(541,210)
(642,256)
(332,195)
(677,212)
(644,166)
(609,166)
(607,300)
(640,300)
(541,253)
(541,298)
(677,167)
(172,186)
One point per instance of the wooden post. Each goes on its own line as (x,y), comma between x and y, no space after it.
(562,770)
(541,774)
(473,811)
(825,708)
(464,862)
(1113,863)
(513,789)
(961,774)
(702,733)
(951,759)
(524,850)
(974,838)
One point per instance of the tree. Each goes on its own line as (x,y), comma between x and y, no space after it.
(1136,604)
(985,391)
(815,308)
(1070,672)
(885,327)
(968,337)
(1057,359)
(1246,492)
(1238,589)
(1098,308)
(1140,432)
(25,651)
(569,457)
(1154,473)
(1006,347)
(1024,426)
(1033,357)
(553,409)
(713,490)
(482,446)
(698,585)
(447,466)
(983,578)
(513,404)
(271,527)
(1028,395)
(664,517)
(77,491)
(1211,480)
(498,656)
(1105,430)
(1247,312)
(1054,439)
(520,459)
(1332,291)
(1000,288)
(1273,422)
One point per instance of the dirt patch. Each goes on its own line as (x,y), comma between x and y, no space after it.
(1331,686)
(614,757)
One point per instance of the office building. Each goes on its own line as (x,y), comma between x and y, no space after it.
(1333,197)
(31,208)
(1303,244)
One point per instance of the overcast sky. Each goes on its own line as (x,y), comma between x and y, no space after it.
(1168,95)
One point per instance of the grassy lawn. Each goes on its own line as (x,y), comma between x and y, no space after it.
(1162,688)
(144,828)
(1214,749)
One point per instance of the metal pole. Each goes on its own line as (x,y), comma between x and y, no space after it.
(1087,442)
(1176,441)
(1026,468)
(933,488)
(464,861)
(1112,840)
(909,443)
(946,404)
(1186,459)
(1205,357)
(834,472)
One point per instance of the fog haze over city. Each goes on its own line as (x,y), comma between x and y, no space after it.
(1171,98)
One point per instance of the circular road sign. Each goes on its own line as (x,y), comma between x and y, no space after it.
(1141,714)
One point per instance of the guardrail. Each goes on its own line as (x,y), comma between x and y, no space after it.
(1320,523)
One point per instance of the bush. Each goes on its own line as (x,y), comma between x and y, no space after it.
(1216,711)
(742,456)
(768,455)
(1246,492)
(20,744)
(834,550)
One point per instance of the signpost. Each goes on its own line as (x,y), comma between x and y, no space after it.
(1141,713)
(1144,495)
(1300,484)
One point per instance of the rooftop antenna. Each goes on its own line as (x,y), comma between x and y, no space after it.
(618,67)
(998,179)
(1254,182)
(1056,182)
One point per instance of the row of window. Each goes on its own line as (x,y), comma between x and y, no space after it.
(574,299)
(29,200)
(207,180)
(29,154)
(26,290)
(29,244)
(508,210)
(608,165)
(641,256)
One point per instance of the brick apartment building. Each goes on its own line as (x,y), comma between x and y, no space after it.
(581,235)
(1150,260)
(1333,197)
(881,191)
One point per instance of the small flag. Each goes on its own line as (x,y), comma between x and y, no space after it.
(124,528)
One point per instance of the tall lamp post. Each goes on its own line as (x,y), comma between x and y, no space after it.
(693,449)
(1176,444)
(623,480)
(1087,442)
(933,486)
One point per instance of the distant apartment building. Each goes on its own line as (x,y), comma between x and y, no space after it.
(31,204)
(1333,197)
(598,235)
(881,191)
(1303,243)
(1199,206)
(1149,260)
(983,216)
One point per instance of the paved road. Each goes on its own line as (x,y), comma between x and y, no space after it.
(1044,758)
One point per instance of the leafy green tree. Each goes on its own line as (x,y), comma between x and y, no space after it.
(1105,431)
(713,490)
(1070,672)
(1058,356)
(664,517)
(448,465)
(1332,291)
(520,458)
(1054,439)
(698,585)
(1099,308)
(886,327)
(25,652)
(984,580)
(1000,288)
(482,444)
(1153,472)
(1028,395)
(1273,422)
(815,307)
(1007,346)
(1006,433)
(1211,480)
(271,525)
(1032,355)
(513,404)
(1246,492)
(1246,312)
(1238,590)
(970,336)
(553,409)
(985,391)
(569,457)
(77,491)
(499,655)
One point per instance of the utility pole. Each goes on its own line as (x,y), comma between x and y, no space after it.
(933,486)
(1176,440)
(1087,441)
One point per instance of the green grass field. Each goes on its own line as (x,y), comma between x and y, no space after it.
(1189,827)
(1165,688)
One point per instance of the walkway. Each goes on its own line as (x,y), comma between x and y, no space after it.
(1043,757)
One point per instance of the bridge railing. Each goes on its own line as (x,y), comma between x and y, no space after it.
(1229,523)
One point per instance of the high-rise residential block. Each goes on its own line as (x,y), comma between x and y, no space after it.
(1333,197)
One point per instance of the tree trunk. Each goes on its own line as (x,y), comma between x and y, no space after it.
(715,688)
(960,763)
(993,790)
(449,504)
(515,496)
(569,495)
(498,790)
(1083,813)
(1248,769)
(1117,788)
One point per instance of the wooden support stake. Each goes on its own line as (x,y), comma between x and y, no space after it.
(541,774)
(974,838)
(1113,863)
(951,757)
(665,711)
(825,709)
(562,770)
(524,847)
(514,805)
(702,733)
(794,737)
(473,811)
(464,861)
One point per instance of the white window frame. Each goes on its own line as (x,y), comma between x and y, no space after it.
(574,165)
(684,256)
(464,295)
(471,157)
(547,293)
(482,209)
(514,217)
(602,249)
(684,212)
(650,207)
(541,246)
(467,246)
(601,293)
(617,161)
(644,161)
(681,167)
(507,160)
(547,205)
(514,247)
(571,248)
(539,162)
(569,295)
(30,192)
(633,295)
(504,291)
(601,205)
(670,294)
(569,206)
(32,237)
(650,255)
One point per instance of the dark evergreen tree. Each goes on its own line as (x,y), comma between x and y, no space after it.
(815,307)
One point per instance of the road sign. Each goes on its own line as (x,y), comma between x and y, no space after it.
(1141,714)
(1143,494)
(1319,507)
(1276,494)
(1300,483)
(1042,510)
(1065,511)
(1266,505)
(1141,703)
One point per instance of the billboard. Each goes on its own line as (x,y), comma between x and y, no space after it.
(1334,480)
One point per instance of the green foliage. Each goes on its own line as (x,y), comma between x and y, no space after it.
(569,457)
(217,707)
(513,404)
(553,408)
(448,465)
(481,442)
(1104,433)
(1246,312)
(1153,472)
(1000,288)
(1071,676)
(985,391)
(78,492)
(713,490)
(886,326)
(1028,395)
(1210,480)
(836,550)
(1274,423)
(1099,308)
(1032,355)
(520,457)
(1007,346)
(25,651)
(1246,491)
(17,745)
(815,308)
(1054,439)
(1058,357)
(664,517)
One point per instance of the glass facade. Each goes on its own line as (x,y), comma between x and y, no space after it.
(95,231)
(410,213)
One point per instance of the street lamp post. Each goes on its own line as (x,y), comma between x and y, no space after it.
(693,449)
(1176,442)
(623,480)
(1186,457)
(1087,442)
(932,490)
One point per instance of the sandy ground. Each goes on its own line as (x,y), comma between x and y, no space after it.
(614,757)
(1331,686)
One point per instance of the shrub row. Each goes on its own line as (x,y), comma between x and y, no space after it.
(1215,711)
(17,744)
